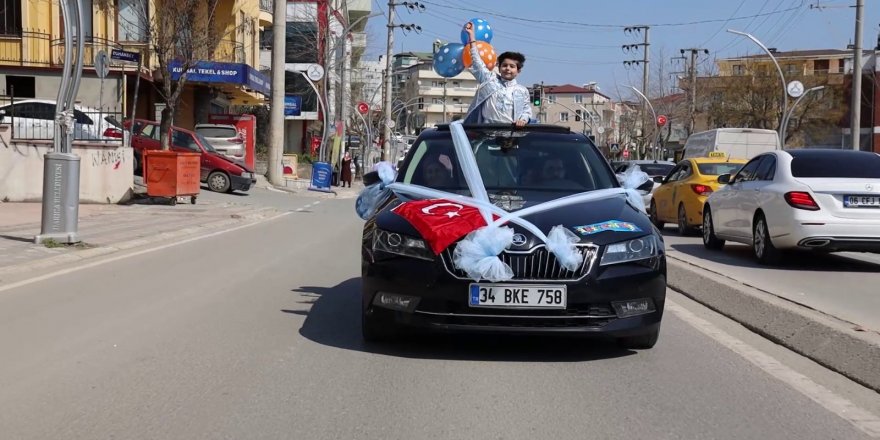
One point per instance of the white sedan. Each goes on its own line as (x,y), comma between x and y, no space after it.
(824,200)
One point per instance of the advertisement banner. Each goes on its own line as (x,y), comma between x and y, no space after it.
(292,105)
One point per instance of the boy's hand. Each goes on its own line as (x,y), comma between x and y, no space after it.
(469,28)
(520,123)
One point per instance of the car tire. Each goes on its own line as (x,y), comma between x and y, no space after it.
(218,181)
(683,228)
(652,213)
(375,329)
(710,241)
(640,342)
(762,246)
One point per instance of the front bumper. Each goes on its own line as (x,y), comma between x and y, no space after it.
(442,301)
(240,183)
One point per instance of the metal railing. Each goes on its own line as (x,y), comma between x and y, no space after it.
(30,120)
(31,48)
(267,6)
(228,51)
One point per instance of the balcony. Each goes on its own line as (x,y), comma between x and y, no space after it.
(35,48)
(359,39)
(267,9)
(228,51)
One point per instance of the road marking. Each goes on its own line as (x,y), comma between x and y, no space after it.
(276,190)
(133,254)
(860,418)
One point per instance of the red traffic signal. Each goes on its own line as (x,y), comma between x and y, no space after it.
(662,120)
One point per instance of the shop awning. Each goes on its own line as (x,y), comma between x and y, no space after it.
(224,73)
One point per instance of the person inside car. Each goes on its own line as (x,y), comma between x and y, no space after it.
(437,171)
(499,99)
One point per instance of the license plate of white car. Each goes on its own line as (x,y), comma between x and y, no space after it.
(861,201)
(517,296)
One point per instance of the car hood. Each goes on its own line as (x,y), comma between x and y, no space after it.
(577,218)
(234,161)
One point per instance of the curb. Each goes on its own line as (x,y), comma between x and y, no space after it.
(831,342)
(86,254)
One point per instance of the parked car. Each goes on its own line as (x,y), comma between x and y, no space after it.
(821,200)
(653,168)
(618,291)
(679,198)
(225,138)
(219,172)
(35,119)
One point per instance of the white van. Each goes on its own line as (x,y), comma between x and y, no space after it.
(735,143)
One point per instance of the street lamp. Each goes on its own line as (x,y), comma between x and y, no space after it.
(781,79)
(648,101)
(787,117)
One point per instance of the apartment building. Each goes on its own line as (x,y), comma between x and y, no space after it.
(580,108)
(430,99)
(32,52)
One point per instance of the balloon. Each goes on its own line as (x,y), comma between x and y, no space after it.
(482,31)
(447,60)
(487,54)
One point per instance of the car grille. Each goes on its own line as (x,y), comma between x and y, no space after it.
(536,264)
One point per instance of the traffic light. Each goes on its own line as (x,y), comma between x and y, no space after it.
(536,96)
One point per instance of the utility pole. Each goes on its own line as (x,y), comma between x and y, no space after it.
(692,75)
(856,100)
(444,100)
(644,62)
(387,93)
(276,110)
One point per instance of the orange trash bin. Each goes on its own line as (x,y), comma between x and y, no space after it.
(172,174)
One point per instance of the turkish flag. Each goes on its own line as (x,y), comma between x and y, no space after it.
(441,222)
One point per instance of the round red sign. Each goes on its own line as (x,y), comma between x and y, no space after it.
(625,154)
(363,108)
(661,120)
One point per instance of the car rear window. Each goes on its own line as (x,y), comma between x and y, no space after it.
(217,132)
(717,169)
(656,169)
(859,166)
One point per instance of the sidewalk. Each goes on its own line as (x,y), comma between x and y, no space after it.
(106,229)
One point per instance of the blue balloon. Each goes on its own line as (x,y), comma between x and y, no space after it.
(482,31)
(447,60)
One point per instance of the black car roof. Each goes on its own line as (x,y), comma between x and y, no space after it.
(546,128)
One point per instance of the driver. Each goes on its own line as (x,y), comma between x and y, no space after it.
(437,172)
(553,170)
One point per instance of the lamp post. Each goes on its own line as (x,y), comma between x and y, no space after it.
(787,118)
(648,101)
(781,79)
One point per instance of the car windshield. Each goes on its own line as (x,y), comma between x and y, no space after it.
(205,143)
(531,161)
(656,169)
(717,169)
(864,166)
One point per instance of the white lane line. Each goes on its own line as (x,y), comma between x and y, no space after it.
(276,190)
(860,418)
(133,254)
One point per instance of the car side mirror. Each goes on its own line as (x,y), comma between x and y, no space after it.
(658,179)
(371,178)
(724,179)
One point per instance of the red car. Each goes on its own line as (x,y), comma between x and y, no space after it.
(219,172)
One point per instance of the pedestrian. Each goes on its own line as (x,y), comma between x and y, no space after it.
(345,171)
(499,99)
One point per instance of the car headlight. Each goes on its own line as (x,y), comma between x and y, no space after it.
(247,175)
(631,250)
(398,244)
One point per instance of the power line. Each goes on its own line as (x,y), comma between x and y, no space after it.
(612,26)
(720,28)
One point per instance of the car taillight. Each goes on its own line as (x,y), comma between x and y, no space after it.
(702,190)
(113,133)
(801,200)
(237,140)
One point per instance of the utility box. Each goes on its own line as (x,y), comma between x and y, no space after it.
(172,174)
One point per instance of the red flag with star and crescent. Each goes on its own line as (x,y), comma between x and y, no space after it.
(441,222)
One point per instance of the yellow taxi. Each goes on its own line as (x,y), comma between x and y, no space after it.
(680,197)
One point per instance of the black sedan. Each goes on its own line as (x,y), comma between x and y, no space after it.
(410,278)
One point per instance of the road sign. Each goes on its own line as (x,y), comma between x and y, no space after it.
(795,89)
(102,64)
(662,120)
(315,72)
(626,154)
(124,55)
(363,108)
(390,123)
(615,148)
(600,130)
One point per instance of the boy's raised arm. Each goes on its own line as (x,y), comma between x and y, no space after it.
(479,69)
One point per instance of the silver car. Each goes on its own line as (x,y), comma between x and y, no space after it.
(224,138)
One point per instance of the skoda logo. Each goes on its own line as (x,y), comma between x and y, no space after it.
(519,239)
(869,187)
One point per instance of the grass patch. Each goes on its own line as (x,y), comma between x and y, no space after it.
(52,243)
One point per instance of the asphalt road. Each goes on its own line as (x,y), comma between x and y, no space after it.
(840,284)
(255,334)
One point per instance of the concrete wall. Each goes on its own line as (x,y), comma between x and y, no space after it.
(106,171)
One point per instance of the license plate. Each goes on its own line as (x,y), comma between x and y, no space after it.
(861,201)
(517,296)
